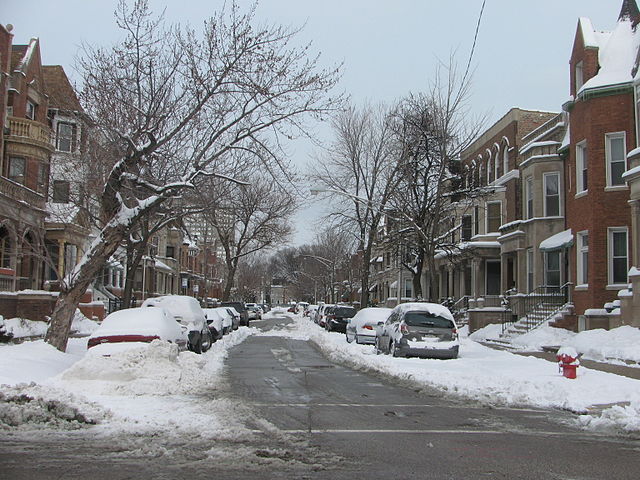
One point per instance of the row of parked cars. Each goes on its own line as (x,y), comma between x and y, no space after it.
(417,329)
(177,319)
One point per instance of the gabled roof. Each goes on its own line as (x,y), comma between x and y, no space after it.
(61,94)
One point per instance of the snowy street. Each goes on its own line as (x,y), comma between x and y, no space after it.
(286,396)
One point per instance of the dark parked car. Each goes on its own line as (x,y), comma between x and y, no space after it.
(241,309)
(419,330)
(337,317)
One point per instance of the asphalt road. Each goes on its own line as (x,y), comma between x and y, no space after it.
(368,426)
(311,419)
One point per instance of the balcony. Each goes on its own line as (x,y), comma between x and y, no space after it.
(27,131)
(21,194)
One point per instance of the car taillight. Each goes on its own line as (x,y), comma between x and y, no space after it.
(454,333)
(368,327)
(404,329)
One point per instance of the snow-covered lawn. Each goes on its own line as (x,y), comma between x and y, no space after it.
(494,377)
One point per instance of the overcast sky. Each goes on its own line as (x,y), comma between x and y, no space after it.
(389,47)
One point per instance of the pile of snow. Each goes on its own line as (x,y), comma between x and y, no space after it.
(149,388)
(82,325)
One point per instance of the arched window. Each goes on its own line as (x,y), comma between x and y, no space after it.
(497,165)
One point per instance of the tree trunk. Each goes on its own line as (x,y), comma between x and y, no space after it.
(364,284)
(231,273)
(132,265)
(94,261)
(417,276)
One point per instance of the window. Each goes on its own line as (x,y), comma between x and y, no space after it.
(530,270)
(552,194)
(583,258)
(17,169)
(66,137)
(505,160)
(476,219)
(579,76)
(618,256)
(616,158)
(552,269)
(581,167)
(42,177)
(5,248)
(60,191)
(171,251)
(494,216)
(31,110)
(408,288)
(637,90)
(528,196)
(465,232)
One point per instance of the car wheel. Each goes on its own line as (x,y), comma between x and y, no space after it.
(349,340)
(377,346)
(205,342)
(393,350)
(196,347)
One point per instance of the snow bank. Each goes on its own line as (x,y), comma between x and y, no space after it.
(151,388)
(483,374)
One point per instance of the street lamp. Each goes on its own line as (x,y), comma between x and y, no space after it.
(329,264)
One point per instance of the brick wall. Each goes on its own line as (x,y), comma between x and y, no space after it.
(599,209)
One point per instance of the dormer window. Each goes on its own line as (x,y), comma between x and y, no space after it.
(579,76)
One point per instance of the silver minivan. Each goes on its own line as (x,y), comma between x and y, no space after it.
(418,330)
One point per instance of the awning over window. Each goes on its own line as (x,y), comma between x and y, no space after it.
(376,260)
(162,266)
(394,284)
(373,287)
(557,241)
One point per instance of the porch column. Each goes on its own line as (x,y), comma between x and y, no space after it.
(61,256)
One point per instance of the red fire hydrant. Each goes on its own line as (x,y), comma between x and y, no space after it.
(568,361)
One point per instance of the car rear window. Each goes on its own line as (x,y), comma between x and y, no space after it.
(425,319)
(344,312)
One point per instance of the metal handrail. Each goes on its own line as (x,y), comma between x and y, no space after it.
(535,307)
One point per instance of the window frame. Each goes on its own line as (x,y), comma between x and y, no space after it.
(579,75)
(487,219)
(528,197)
(608,137)
(611,231)
(71,137)
(12,162)
(582,258)
(56,196)
(466,228)
(545,176)
(582,167)
(31,110)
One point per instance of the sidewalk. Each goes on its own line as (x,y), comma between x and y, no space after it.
(550,355)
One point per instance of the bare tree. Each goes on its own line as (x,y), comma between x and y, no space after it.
(360,173)
(432,130)
(174,103)
(248,219)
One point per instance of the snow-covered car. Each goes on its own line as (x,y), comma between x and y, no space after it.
(230,318)
(241,309)
(125,328)
(337,316)
(310,311)
(420,330)
(215,322)
(188,312)
(362,327)
(254,311)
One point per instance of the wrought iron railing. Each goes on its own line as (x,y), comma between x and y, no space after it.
(116,304)
(536,307)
